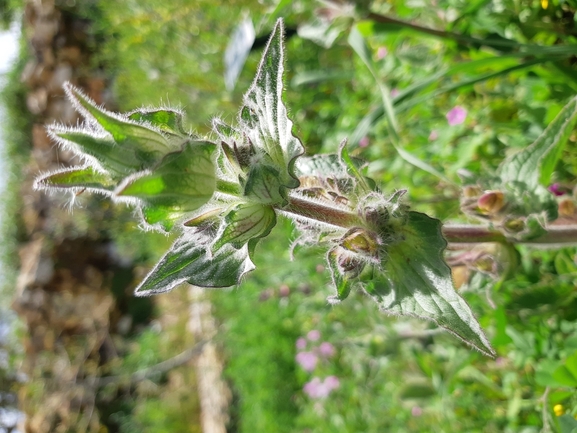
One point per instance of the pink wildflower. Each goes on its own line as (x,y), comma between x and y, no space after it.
(316,388)
(332,382)
(314,335)
(382,53)
(326,349)
(395,92)
(433,135)
(556,189)
(364,142)
(313,387)
(307,360)
(416,411)
(301,343)
(456,116)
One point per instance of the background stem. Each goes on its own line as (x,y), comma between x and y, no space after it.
(464,233)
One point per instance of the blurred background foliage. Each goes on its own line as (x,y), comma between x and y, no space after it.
(508,66)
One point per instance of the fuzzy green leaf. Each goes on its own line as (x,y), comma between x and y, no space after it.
(124,131)
(328,165)
(181,183)
(263,116)
(535,164)
(246,222)
(166,120)
(77,178)
(190,260)
(333,167)
(119,161)
(415,281)
(263,184)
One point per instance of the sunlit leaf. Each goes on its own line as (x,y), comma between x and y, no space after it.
(190,260)
(164,119)
(119,161)
(181,183)
(124,131)
(535,164)
(263,116)
(416,281)
(77,178)
(246,222)
(564,376)
(263,184)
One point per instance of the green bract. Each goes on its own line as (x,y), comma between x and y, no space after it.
(223,197)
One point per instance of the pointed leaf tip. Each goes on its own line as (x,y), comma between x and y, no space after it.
(76,178)
(264,115)
(416,281)
(124,131)
(535,164)
(190,260)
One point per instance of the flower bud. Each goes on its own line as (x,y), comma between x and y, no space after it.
(491,202)
(558,409)
(566,208)
(348,262)
(361,241)
(514,225)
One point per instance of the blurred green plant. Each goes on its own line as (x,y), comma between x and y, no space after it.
(510,98)
(224,196)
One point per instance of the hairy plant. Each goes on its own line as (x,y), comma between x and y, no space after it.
(223,193)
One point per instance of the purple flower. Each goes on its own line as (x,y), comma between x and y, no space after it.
(364,142)
(556,189)
(313,387)
(326,349)
(416,411)
(395,92)
(433,135)
(456,116)
(316,388)
(301,343)
(307,360)
(332,382)
(382,53)
(314,335)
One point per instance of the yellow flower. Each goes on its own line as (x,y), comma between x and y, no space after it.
(544,4)
(558,409)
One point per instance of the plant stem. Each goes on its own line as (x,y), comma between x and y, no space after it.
(463,233)
(325,214)
(339,217)
(503,45)
(467,233)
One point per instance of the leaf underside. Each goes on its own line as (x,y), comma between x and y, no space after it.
(182,182)
(77,178)
(190,260)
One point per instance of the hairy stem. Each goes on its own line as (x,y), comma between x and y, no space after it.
(463,233)
(336,216)
(320,212)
